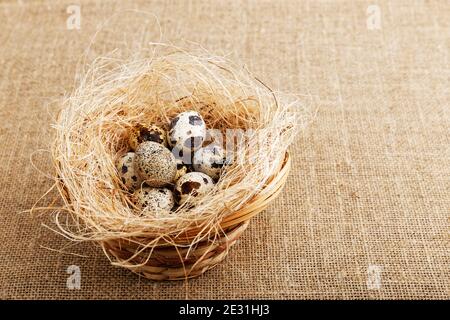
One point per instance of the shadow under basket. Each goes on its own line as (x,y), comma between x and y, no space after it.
(166,261)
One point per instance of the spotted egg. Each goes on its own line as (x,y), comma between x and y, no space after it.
(141,133)
(154,200)
(155,164)
(187,131)
(183,160)
(209,160)
(182,169)
(192,185)
(127,173)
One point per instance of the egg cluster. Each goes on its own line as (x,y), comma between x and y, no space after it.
(166,169)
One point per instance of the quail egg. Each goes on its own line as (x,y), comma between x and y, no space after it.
(142,133)
(182,169)
(155,164)
(183,160)
(192,184)
(154,200)
(187,131)
(127,173)
(209,160)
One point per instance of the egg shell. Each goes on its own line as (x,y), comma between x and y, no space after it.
(192,185)
(154,200)
(209,160)
(183,160)
(141,133)
(182,169)
(187,131)
(127,172)
(155,164)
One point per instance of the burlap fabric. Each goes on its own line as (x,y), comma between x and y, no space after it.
(365,213)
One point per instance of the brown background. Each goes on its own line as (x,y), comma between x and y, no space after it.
(371,177)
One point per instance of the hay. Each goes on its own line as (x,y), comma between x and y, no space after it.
(115,95)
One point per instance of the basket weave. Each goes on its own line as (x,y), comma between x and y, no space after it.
(169,262)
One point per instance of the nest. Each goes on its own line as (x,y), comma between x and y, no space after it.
(92,132)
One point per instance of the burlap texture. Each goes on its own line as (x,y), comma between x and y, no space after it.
(370,185)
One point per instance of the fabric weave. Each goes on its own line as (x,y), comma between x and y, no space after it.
(365,212)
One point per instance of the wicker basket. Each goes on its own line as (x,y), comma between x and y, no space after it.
(169,262)
(92,130)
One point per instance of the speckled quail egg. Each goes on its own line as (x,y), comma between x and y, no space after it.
(182,169)
(142,133)
(209,160)
(192,184)
(187,131)
(154,200)
(127,173)
(155,164)
(183,160)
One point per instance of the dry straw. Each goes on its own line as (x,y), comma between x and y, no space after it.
(91,133)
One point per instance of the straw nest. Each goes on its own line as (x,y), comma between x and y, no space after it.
(92,129)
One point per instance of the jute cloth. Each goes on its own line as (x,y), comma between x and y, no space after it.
(365,212)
